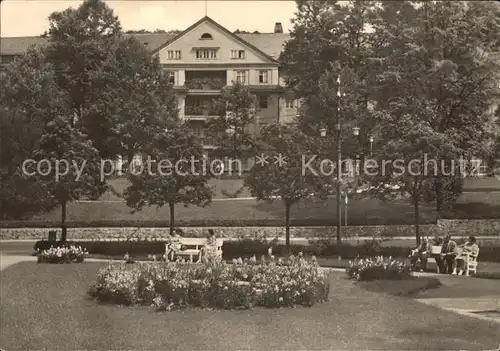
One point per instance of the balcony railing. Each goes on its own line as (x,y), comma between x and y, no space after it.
(200,111)
(205,83)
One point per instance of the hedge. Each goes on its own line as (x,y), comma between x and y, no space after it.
(249,247)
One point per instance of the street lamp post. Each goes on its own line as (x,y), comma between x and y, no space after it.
(323,132)
(371,145)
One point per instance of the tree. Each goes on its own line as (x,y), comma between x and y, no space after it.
(138,101)
(28,96)
(233,127)
(114,87)
(287,181)
(440,67)
(68,165)
(407,168)
(175,174)
(327,32)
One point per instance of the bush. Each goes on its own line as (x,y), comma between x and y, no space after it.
(111,248)
(367,269)
(62,254)
(250,247)
(243,284)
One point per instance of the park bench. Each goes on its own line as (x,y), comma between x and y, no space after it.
(190,247)
(435,250)
(470,261)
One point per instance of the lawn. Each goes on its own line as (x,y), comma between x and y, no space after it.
(44,307)
(364,210)
(360,211)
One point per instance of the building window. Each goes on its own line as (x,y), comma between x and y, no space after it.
(238,54)
(206,36)
(241,77)
(171,77)
(173,55)
(206,54)
(263,77)
(262,101)
(290,103)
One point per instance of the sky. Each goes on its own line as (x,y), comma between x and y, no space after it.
(29,17)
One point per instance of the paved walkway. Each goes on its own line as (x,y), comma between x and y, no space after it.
(464,295)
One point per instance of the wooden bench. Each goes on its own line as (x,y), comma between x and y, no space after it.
(192,248)
(470,261)
(435,250)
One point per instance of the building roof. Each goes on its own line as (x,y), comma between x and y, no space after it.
(269,43)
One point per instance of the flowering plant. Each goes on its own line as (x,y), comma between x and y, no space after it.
(377,268)
(62,254)
(214,284)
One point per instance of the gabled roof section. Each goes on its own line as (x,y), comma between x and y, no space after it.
(19,45)
(269,44)
(224,30)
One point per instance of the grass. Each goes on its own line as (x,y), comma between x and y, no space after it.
(488,275)
(366,210)
(406,287)
(44,307)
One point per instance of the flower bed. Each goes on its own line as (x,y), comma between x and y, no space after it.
(376,268)
(62,254)
(243,284)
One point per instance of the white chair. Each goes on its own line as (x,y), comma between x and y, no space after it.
(470,264)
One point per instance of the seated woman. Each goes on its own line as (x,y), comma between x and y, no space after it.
(175,245)
(421,253)
(471,249)
(210,252)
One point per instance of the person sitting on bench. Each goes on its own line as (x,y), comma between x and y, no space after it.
(421,253)
(471,249)
(446,260)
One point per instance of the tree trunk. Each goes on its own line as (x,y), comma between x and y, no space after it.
(130,157)
(416,208)
(172,217)
(64,230)
(287,226)
(439,194)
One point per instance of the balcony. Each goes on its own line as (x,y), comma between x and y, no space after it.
(196,108)
(205,80)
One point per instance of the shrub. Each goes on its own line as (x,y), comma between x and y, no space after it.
(62,254)
(250,247)
(243,284)
(367,269)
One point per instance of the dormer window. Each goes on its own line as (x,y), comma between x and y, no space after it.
(206,36)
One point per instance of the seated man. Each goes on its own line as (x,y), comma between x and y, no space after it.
(471,249)
(421,253)
(446,260)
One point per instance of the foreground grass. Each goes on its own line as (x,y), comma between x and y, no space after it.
(406,287)
(44,307)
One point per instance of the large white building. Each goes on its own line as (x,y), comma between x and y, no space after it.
(204,58)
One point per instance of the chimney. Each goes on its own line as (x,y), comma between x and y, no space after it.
(278,28)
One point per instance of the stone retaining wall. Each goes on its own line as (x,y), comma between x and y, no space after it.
(455,227)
